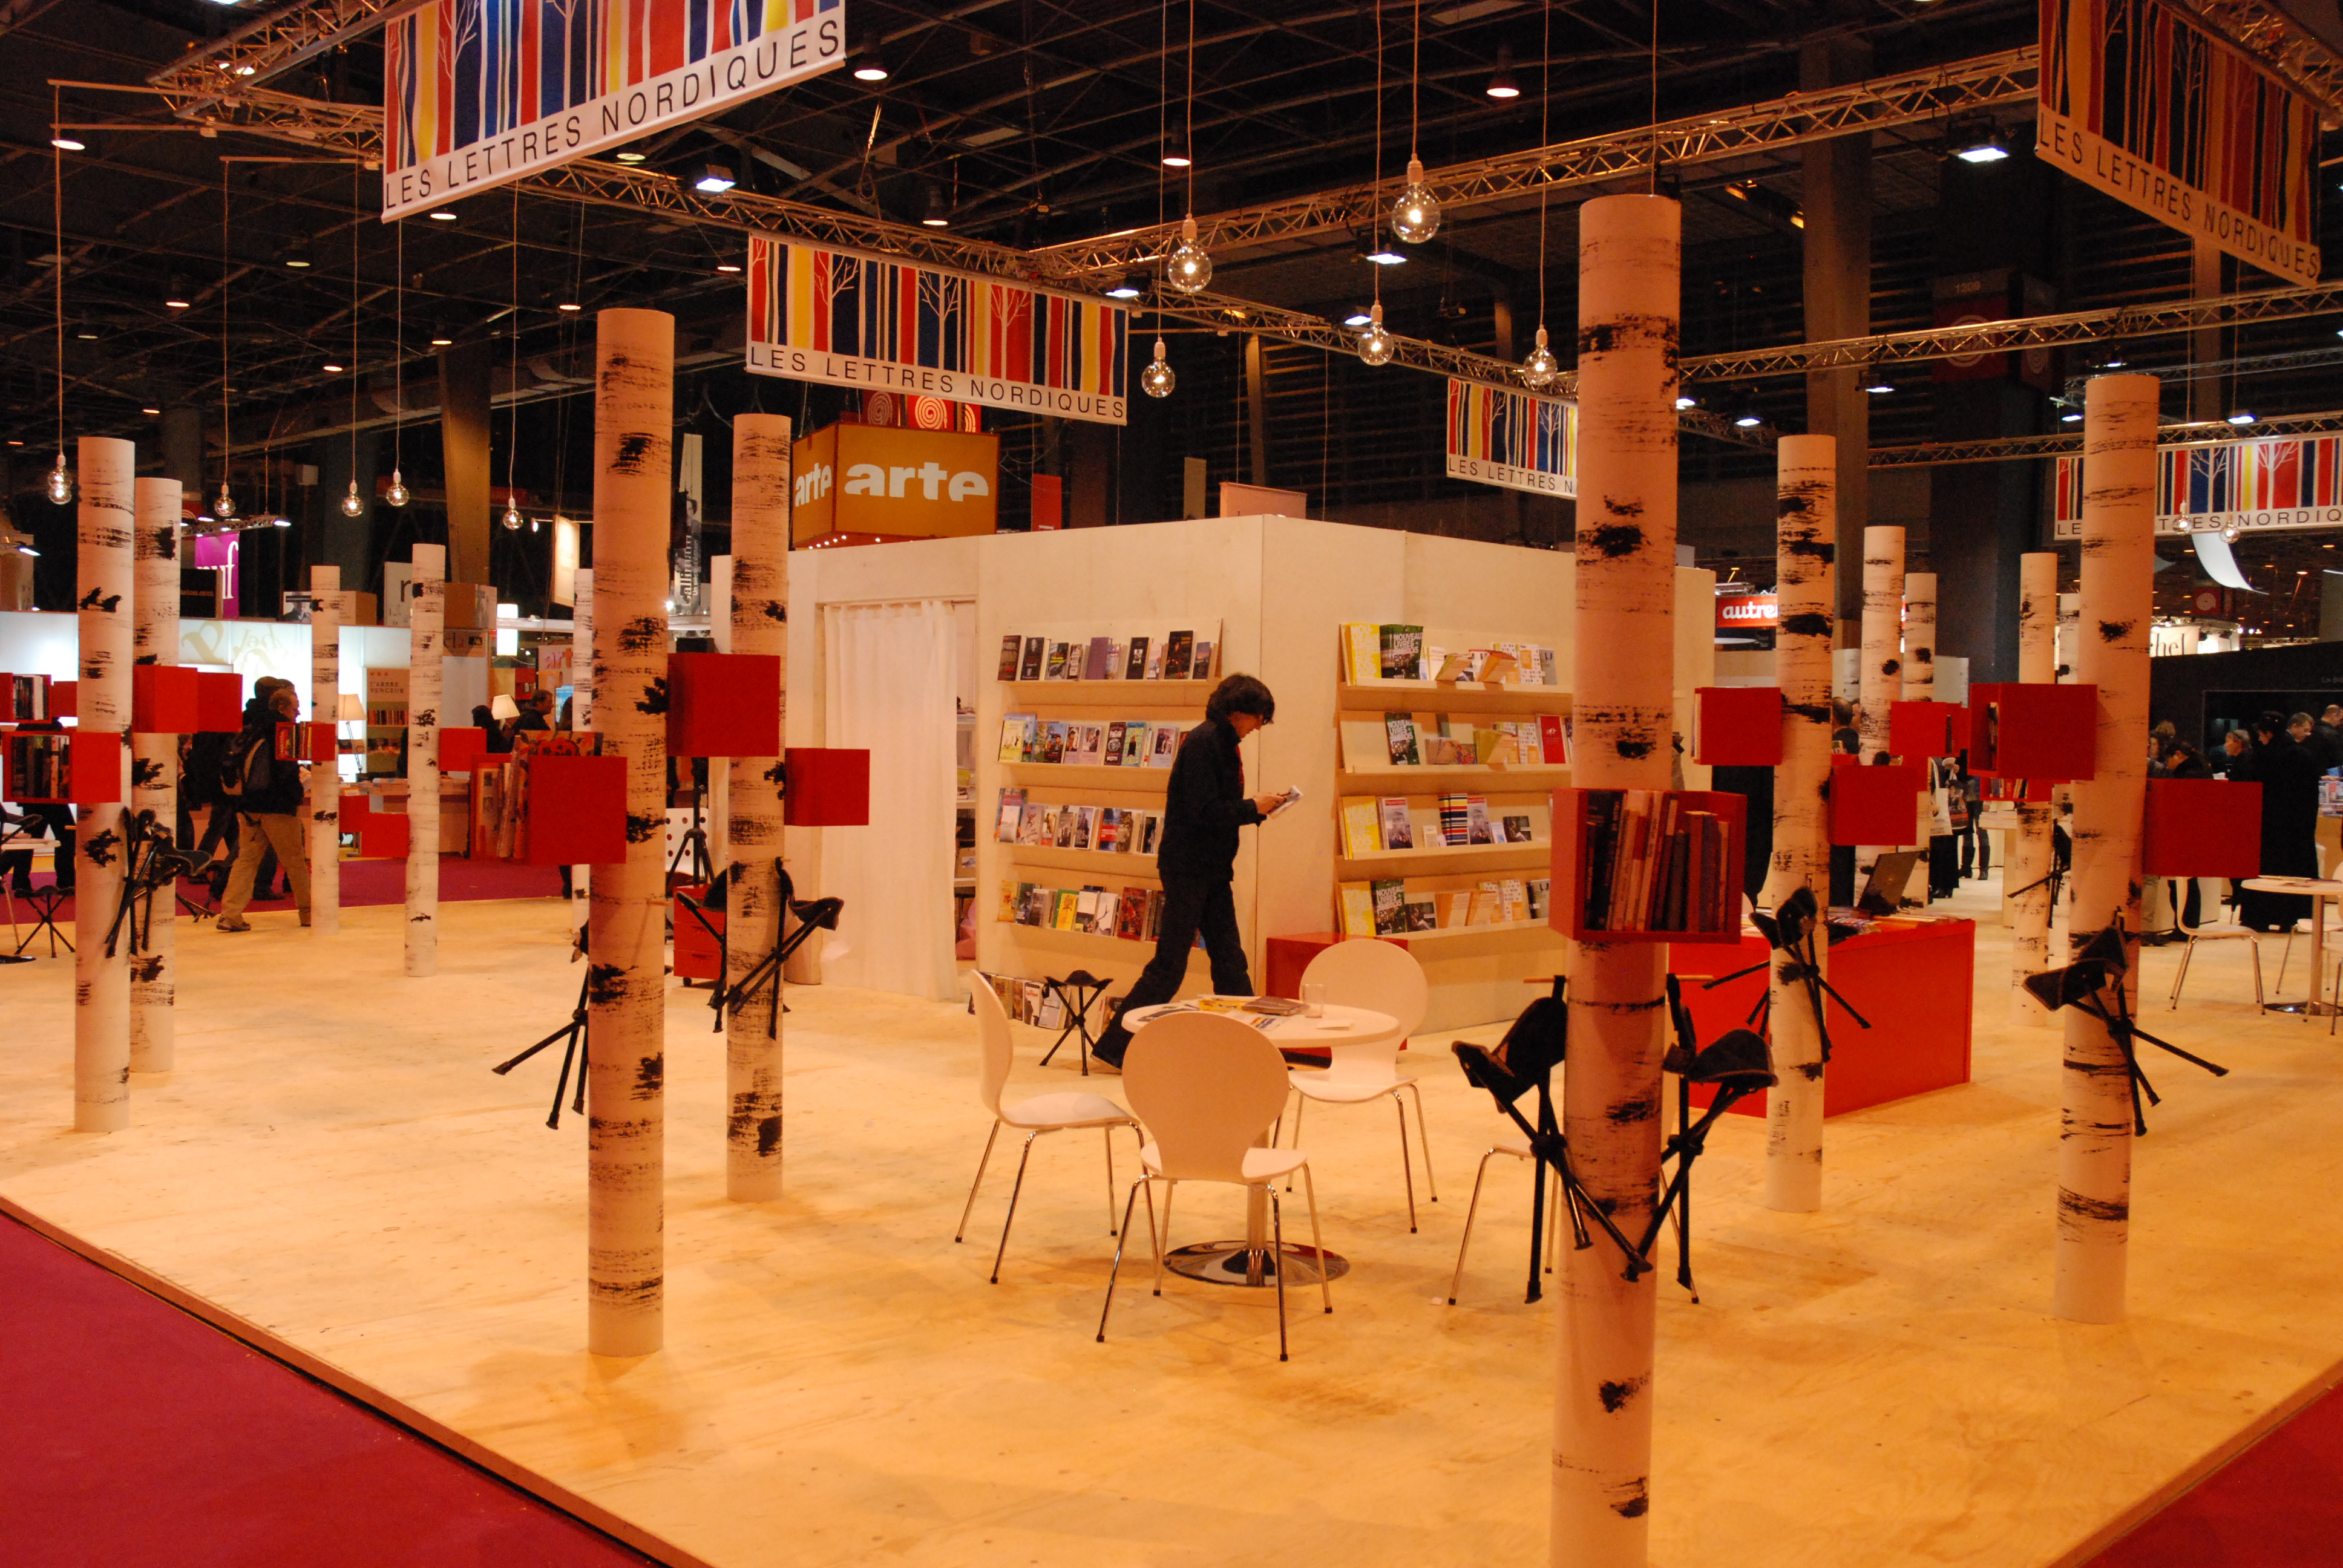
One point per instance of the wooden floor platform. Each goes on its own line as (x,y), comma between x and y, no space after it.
(1881,1383)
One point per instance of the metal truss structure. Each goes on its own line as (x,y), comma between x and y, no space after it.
(2204,370)
(2281,44)
(275,42)
(1877,105)
(2068,444)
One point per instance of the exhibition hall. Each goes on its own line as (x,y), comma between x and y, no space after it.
(1633,710)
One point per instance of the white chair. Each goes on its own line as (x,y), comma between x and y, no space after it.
(1382,978)
(2209,902)
(1208,1088)
(2320,910)
(1519,1150)
(1066,1110)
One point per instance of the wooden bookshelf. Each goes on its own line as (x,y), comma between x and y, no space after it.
(1102,862)
(1465,696)
(1486,929)
(1138,697)
(1090,776)
(1437,858)
(1478,777)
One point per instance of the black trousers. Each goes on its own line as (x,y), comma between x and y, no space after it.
(1976,848)
(1191,904)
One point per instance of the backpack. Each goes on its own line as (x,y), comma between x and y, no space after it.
(250,766)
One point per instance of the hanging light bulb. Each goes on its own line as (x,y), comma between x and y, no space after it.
(1541,367)
(397,494)
(60,482)
(223,504)
(1158,379)
(1190,266)
(1375,344)
(511,520)
(353,506)
(1415,215)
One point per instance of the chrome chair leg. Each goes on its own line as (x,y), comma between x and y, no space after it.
(972,1186)
(2255,943)
(2287,952)
(1406,1169)
(1013,1192)
(1423,1136)
(1277,1251)
(1456,1280)
(1164,1242)
(1117,1269)
(1317,1240)
(1108,1133)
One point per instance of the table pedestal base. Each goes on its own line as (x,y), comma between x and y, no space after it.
(2307,1009)
(1234,1264)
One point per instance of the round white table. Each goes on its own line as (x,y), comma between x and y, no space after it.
(1248,1261)
(2318,890)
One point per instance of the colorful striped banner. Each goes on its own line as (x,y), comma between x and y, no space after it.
(2272,482)
(2140,102)
(479,92)
(1518,440)
(817,314)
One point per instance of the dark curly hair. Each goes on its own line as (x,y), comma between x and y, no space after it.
(1241,694)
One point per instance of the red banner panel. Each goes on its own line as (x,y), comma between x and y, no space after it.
(1736,726)
(723,705)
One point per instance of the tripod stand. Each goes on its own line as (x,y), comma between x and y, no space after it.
(813,915)
(574,1036)
(694,843)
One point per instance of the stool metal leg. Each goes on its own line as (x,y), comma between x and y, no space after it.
(1472,1209)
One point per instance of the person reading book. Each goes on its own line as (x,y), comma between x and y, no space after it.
(1204,804)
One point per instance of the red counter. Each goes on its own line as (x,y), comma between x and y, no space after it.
(1911,979)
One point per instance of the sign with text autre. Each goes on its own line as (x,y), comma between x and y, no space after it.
(896,483)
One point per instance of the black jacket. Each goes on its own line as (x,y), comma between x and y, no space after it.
(1204,804)
(283,794)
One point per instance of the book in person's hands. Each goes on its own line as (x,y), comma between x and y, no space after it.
(1285,799)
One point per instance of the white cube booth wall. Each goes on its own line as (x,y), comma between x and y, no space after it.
(1277,590)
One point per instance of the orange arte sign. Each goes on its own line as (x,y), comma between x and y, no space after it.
(868,480)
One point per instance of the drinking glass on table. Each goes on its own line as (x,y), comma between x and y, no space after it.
(1313,998)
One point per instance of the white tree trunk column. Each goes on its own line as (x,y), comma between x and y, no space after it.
(625,1106)
(1880,682)
(326,778)
(581,715)
(1629,261)
(106,580)
(155,769)
(752,827)
(2027,867)
(1919,678)
(1807,501)
(426,689)
(2111,653)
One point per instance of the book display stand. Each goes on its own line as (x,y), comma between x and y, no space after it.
(1649,865)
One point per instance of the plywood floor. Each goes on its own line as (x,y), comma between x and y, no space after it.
(1878,1384)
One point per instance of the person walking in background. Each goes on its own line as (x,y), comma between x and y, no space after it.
(1968,822)
(2288,776)
(268,796)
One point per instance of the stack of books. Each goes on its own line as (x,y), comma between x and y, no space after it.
(1652,863)
(25,698)
(39,768)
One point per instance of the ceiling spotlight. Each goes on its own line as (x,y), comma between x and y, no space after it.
(2071,418)
(938,216)
(1686,400)
(728,267)
(443,343)
(568,305)
(1879,389)
(1357,318)
(280,522)
(335,370)
(1126,289)
(1175,155)
(150,410)
(1501,84)
(1387,259)
(297,254)
(441,215)
(85,332)
(2241,418)
(1983,144)
(176,297)
(66,144)
(870,66)
(712,178)
(630,157)
(1748,419)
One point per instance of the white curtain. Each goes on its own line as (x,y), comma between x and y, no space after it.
(888,688)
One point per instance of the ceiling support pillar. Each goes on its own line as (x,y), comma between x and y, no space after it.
(1836,181)
(464,442)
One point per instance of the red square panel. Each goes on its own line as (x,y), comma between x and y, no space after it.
(1876,805)
(2033,729)
(698,949)
(723,705)
(219,701)
(577,810)
(827,788)
(1917,729)
(65,700)
(2203,828)
(461,747)
(163,699)
(1736,726)
(97,767)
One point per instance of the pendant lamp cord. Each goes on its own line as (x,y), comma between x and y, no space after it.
(1545,179)
(1416,83)
(357,193)
(1188,129)
(57,216)
(1375,234)
(227,449)
(399,347)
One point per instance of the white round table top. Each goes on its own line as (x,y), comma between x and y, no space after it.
(2320,885)
(1340,1026)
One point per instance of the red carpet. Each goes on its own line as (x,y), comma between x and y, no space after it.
(2279,1504)
(137,1437)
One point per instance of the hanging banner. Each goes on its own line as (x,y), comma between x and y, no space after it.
(2273,482)
(477,93)
(2140,102)
(1518,440)
(818,315)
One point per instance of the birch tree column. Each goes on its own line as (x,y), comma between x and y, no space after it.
(104,580)
(1881,674)
(1919,678)
(426,642)
(1806,500)
(154,765)
(326,778)
(2118,592)
(1629,260)
(634,402)
(752,830)
(581,718)
(2026,870)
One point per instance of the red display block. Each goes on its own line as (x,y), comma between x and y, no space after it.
(381,835)
(723,705)
(2033,729)
(1736,726)
(1876,805)
(1575,859)
(65,700)
(461,747)
(1927,729)
(2203,828)
(219,701)
(163,699)
(825,788)
(97,767)
(577,810)
(698,951)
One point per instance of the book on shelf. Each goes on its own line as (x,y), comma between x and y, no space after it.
(1166,739)
(1131,913)
(1515,830)
(1417,911)
(1053,664)
(1399,732)
(1110,828)
(1011,648)
(1398,832)
(1360,836)
(1029,667)
(1017,733)
(1135,660)
(1151,830)
(1400,652)
(1113,756)
(1200,668)
(1653,864)
(1390,895)
(1476,820)
(1085,744)
(1362,652)
(1356,905)
(1537,890)
(1154,660)
(1009,817)
(1097,661)
(1553,740)
(1179,653)
(1085,827)
(1455,818)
